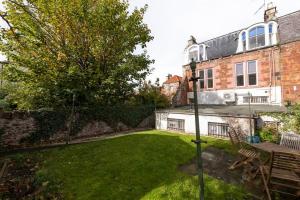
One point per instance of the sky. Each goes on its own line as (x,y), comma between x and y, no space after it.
(172,22)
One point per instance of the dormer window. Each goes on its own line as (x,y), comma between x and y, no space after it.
(270,28)
(257,37)
(196,52)
(270,32)
(244,41)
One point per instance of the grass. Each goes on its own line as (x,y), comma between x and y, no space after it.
(139,166)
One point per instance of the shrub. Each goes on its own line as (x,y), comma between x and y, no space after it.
(268,133)
(49,121)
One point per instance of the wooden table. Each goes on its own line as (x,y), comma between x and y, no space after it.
(269,147)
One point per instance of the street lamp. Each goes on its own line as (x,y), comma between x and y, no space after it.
(198,141)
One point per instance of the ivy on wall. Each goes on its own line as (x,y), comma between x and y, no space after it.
(49,122)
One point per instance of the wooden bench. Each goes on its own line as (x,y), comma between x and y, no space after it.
(290,140)
(282,174)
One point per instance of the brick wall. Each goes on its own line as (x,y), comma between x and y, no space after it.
(224,68)
(290,64)
(277,66)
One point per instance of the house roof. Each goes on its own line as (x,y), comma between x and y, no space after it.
(289,27)
(226,45)
(173,79)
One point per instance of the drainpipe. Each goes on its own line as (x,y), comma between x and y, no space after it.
(273,75)
(270,76)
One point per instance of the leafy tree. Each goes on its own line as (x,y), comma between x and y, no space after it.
(149,94)
(157,82)
(61,48)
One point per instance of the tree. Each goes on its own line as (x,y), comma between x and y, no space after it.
(149,94)
(60,48)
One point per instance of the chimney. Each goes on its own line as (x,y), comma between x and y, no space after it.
(270,12)
(192,41)
(169,76)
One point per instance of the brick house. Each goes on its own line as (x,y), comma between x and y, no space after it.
(171,85)
(242,74)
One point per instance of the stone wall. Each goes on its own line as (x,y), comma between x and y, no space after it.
(17,129)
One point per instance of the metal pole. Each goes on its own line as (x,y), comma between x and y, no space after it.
(250,116)
(198,139)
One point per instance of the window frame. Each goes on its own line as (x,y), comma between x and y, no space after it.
(179,124)
(194,49)
(244,77)
(244,40)
(256,72)
(256,36)
(270,39)
(246,74)
(200,79)
(219,129)
(212,78)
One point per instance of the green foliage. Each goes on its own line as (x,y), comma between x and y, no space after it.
(49,122)
(4,104)
(268,134)
(149,94)
(57,48)
(290,119)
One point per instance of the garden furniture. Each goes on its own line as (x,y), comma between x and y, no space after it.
(282,174)
(270,147)
(247,156)
(290,140)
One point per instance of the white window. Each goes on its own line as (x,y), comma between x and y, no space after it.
(239,73)
(193,53)
(197,52)
(260,35)
(257,37)
(270,32)
(201,79)
(218,129)
(246,77)
(175,124)
(210,78)
(256,99)
(244,41)
(252,73)
(206,78)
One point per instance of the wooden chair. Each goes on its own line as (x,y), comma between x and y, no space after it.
(290,140)
(247,156)
(282,174)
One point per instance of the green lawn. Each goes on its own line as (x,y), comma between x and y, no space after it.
(138,166)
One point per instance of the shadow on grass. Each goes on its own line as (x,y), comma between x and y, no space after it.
(140,166)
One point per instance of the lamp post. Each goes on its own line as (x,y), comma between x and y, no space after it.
(198,141)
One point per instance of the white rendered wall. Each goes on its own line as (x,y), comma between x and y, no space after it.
(217,97)
(161,121)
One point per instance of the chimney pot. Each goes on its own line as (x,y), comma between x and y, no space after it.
(270,12)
